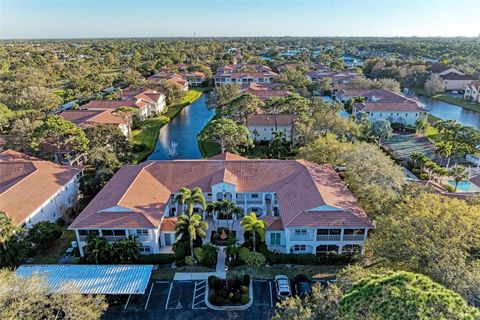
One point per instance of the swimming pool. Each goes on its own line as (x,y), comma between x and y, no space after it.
(465,186)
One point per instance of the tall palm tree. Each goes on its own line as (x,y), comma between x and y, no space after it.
(191,226)
(254,225)
(191,197)
(443,150)
(212,210)
(98,250)
(416,157)
(459,174)
(236,212)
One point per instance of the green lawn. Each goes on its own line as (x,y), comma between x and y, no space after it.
(312,271)
(208,148)
(167,273)
(459,102)
(150,128)
(52,254)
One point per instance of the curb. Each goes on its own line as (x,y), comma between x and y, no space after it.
(230,308)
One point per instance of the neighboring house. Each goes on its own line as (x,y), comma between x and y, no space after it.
(472,91)
(266,90)
(342,77)
(307,207)
(442,69)
(148,102)
(455,81)
(243,74)
(262,126)
(91,118)
(384,104)
(178,78)
(196,78)
(34,190)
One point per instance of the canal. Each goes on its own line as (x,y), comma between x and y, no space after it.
(447,111)
(178,138)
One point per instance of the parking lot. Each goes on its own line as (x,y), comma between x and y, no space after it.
(186,300)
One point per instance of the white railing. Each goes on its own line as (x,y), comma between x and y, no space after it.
(353,237)
(328,237)
(114,238)
(301,238)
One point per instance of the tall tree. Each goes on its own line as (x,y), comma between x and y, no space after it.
(224,94)
(434,84)
(230,136)
(459,174)
(241,107)
(254,225)
(190,227)
(29,298)
(60,133)
(13,246)
(381,129)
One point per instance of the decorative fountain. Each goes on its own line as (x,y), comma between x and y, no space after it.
(172,150)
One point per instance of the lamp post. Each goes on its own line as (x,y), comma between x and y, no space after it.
(226,278)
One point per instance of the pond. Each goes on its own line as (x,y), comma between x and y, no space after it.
(447,111)
(178,138)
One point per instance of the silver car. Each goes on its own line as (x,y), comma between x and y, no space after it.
(282,285)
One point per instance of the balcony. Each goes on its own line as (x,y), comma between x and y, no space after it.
(328,237)
(301,238)
(353,237)
(114,238)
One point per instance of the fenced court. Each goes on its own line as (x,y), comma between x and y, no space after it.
(401,146)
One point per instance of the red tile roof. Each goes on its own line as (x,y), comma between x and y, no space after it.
(283,120)
(26,183)
(266,90)
(305,192)
(88,118)
(168,224)
(273,223)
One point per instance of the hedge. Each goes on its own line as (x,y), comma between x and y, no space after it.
(161,258)
(304,259)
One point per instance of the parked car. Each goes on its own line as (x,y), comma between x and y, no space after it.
(303,285)
(282,285)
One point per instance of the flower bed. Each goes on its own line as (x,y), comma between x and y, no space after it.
(228,237)
(231,292)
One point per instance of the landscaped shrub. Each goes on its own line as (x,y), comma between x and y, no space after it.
(198,253)
(305,259)
(139,147)
(190,261)
(181,249)
(243,254)
(161,258)
(232,294)
(209,255)
(255,259)
(448,187)
(44,233)
(423,176)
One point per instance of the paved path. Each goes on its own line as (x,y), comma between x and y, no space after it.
(220,269)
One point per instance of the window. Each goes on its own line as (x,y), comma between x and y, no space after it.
(142,232)
(254,195)
(275,238)
(88,232)
(113,232)
(353,231)
(145,249)
(299,247)
(300,232)
(351,249)
(327,249)
(325,232)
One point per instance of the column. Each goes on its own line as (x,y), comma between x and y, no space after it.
(80,248)
(340,246)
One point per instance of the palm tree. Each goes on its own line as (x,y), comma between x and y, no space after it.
(190,226)
(98,250)
(191,197)
(459,174)
(254,225)
(443,149)
(212,210)
(236,212)
(416,157)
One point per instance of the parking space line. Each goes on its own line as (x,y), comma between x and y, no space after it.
(271,297)
(128,300)
(199,286)
(168,298)
(149,294)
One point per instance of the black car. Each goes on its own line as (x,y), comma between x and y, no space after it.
(303,285)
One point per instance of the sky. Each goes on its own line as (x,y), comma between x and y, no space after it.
(40,19)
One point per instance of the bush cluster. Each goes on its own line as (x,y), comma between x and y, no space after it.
(235,294)
(206,255)
(160,258)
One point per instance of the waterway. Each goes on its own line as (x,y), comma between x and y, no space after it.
(447,111)
(178,138)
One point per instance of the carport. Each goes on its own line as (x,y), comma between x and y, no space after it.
(92,279)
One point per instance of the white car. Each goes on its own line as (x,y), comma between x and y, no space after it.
(282,285)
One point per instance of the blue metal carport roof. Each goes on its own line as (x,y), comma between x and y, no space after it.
(92,279)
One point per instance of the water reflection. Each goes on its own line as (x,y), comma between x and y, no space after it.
(179,136)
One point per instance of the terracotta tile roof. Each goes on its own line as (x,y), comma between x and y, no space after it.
(168,224)
(227,156)
(266,90)
(27,182)
(108,104)
(89,118)
(273,223)
(140,193)
(283,120)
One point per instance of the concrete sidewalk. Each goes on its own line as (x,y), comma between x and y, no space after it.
(219,270)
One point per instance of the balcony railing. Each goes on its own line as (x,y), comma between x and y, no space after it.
(114,238)
(301,238)
(328,237)
(353,237)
